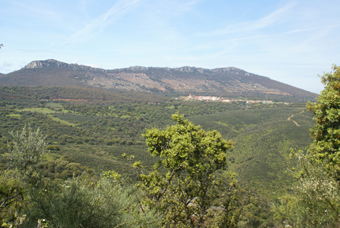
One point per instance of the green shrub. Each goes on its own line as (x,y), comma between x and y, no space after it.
(79,202)
(53,147)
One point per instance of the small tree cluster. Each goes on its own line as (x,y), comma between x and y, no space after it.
(28,199)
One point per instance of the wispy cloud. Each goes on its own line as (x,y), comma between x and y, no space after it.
(231,43)
(38,51)
(249,26)
(33,10)
(5,66)
(181,6)
(118,10)
(172,7)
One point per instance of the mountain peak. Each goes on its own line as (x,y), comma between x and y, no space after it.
(39,64)
(52,63)
(137,68)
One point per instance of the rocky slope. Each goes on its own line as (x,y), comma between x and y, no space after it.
(220,81)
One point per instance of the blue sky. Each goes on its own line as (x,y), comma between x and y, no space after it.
(289,41)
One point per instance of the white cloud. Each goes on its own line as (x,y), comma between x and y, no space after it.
(249,26)
(118,10)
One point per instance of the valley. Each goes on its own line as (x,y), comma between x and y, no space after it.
(96,134)
(95,116)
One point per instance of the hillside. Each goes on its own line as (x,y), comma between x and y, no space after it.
(96,134)
(263,140)
(229,81)
(90,135)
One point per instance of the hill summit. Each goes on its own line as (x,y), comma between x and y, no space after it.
(220,81)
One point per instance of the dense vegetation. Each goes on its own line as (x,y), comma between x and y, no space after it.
(315,199)
(86,136)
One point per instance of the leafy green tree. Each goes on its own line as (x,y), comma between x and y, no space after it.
(187,184)
(326,132)
(316,198)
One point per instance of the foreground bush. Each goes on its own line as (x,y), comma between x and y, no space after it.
(28,198)
(316,194)
(79,202)
(316,199)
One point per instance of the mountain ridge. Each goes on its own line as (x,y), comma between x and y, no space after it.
(186,79)
(75,66)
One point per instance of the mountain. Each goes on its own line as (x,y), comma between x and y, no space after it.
(220,81)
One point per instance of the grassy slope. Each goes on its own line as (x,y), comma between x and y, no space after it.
(263,139)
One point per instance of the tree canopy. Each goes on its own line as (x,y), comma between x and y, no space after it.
(316,194)
(326,132)
(189,187)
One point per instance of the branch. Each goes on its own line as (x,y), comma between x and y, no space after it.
(167,184)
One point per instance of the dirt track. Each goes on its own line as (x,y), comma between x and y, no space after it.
(296,123)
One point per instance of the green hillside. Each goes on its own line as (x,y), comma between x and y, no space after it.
(94,133)
(263,139)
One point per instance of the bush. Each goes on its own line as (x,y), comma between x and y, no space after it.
(79,202)
(316,198)
(53,147)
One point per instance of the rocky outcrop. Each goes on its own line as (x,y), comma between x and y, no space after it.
(51,63)
(186,79)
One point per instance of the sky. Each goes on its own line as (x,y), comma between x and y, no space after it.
(289,41)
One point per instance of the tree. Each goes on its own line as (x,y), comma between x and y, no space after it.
(315,201)
(187,184)
(26,150)
(316,198)
(326,132)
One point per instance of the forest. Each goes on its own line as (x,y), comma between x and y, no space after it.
(83,157)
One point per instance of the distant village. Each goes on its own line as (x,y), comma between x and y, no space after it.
(227,100)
